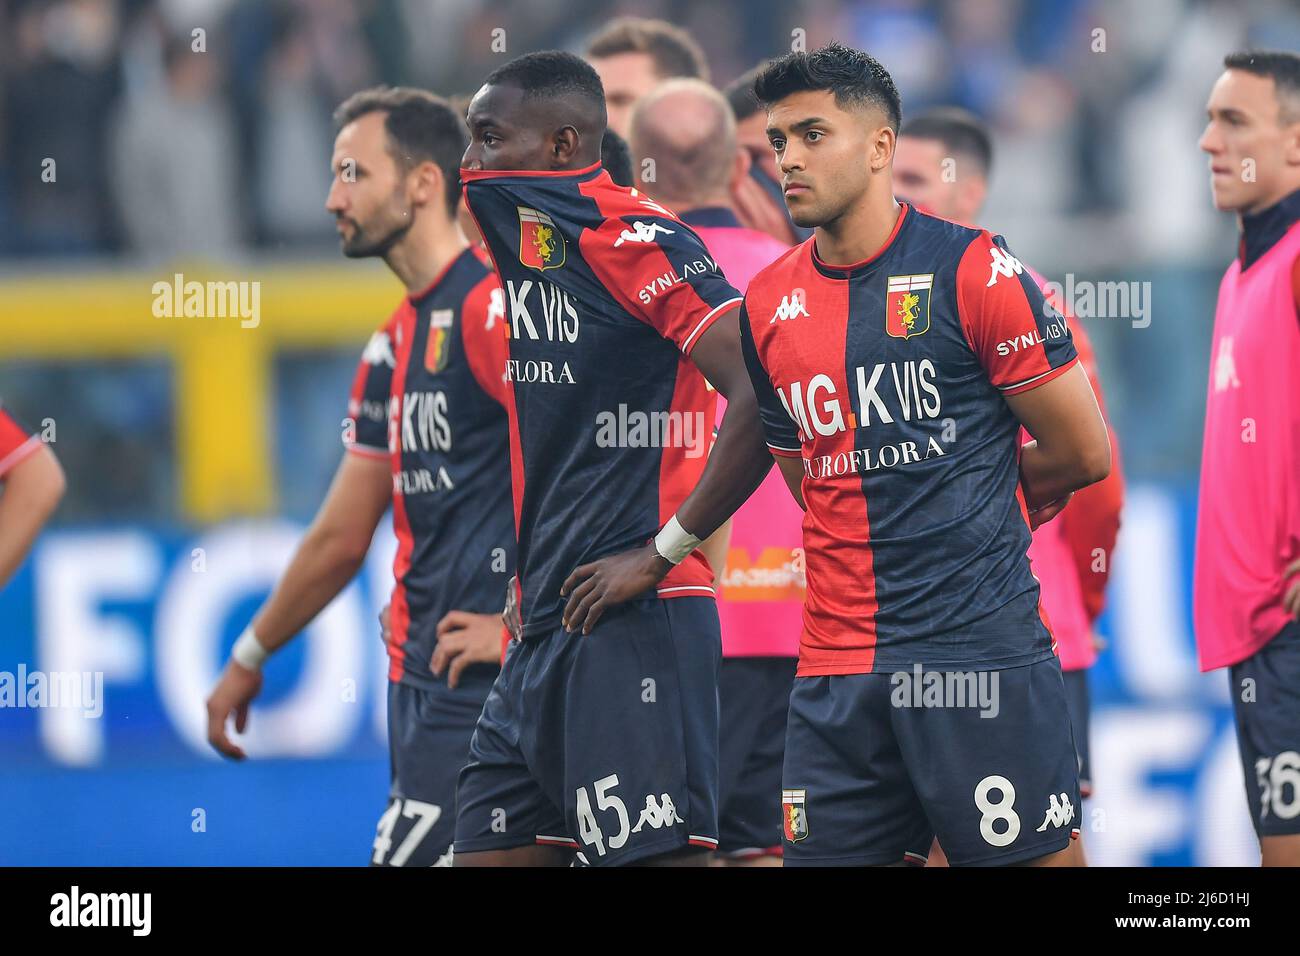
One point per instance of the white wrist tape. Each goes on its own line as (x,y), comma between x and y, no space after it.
(674,542)
(248,650)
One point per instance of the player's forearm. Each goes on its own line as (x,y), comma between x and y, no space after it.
(321,567)
(31,493)
(1049,472)
(737,465)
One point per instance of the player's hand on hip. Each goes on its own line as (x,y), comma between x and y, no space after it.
(1292,599)
(465,638)
(510,616)
(594,588)
(232,695)
(385,624)
(1048,511)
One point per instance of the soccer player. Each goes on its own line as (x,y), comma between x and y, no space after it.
(684,132)
(601,733)
(633,55)
(426,434)
(32,486)
(941,165)
(895,357)
(1247,589)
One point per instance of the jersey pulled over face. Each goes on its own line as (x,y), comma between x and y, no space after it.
(887,378)
(606,294)
(428,396)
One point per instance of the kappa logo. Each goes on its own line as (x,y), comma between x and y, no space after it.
(496,308)
(379,351)
(792,306)
(642,232)
(794,814)
(1058,814)
(1225,367)
(1003,264)
(541,245)
(658,814)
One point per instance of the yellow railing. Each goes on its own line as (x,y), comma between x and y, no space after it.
(222,369)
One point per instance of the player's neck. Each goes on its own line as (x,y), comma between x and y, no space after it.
(861,232)
(422,256)
(1274,196)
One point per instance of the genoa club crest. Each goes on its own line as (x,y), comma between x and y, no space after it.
(907,305)
(794,813)
(435,350)
(540,244)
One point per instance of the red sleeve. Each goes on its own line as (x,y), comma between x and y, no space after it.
(483,331)
(1019,338)
(369,399)
(1091,524)
(660,272)
(16,443)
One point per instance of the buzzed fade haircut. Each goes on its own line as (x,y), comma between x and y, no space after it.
(673,51)
(552,74)
(421,128)
(960,132)
(1282,67)
(854,77)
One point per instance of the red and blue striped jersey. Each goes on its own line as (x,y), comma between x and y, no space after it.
(428,396)
(606,293)
(887,378)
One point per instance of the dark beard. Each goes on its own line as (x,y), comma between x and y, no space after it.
(361,247)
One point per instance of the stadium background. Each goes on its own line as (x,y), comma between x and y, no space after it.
(196,449)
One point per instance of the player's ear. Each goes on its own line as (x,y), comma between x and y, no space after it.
(427,182)
(881,152)
(739,168)
(1291,144)
(564,145)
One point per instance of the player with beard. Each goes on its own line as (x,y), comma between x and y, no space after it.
(426,434)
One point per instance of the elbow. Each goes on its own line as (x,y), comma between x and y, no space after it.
(1094,463)
(345,551)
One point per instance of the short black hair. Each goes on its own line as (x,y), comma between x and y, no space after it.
(740,94)
(853,76)
(1282,67)
(551,74)
(960,131)
(421,128)
(616,158)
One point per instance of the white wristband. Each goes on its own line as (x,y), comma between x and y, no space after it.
(674,542)
(248,650)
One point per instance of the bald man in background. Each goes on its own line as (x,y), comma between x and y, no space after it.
(683,141)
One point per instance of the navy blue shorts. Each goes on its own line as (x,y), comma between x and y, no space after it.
(1267,712)
(755,694)
(606,744)
(428,744)
(877,765)
(1079,701)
